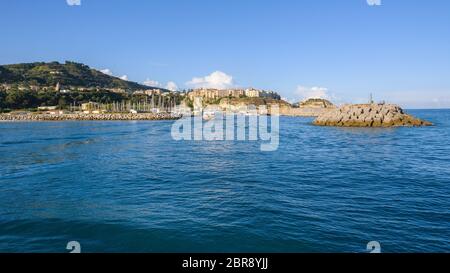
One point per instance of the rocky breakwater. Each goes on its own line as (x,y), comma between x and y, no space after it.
(100,117)
(368,115)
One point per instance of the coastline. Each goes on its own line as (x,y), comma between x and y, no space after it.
(30,117)
(87,117)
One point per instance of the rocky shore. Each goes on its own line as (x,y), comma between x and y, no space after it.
(368,115)
(99,117)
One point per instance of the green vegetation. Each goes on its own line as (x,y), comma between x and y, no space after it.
(28,86)
(70,74)
(316,102)
(28,99)
(2,100)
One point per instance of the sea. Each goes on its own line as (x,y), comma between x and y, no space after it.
(130,187)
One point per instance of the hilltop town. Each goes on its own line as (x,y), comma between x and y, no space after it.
(211,94)
(74,88)
(73,91)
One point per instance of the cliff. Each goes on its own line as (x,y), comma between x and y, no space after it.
(368,115)
(309,108)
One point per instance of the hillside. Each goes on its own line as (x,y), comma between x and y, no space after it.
(69,74)
(316,103)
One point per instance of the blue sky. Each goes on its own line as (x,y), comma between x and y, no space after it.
(340,49)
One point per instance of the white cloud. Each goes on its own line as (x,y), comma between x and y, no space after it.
(315,92)
(172,86)
(374,2)
(216,79)
(107,71)
(152,83)
(73,2)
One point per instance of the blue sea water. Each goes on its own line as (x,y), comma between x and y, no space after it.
(128,187)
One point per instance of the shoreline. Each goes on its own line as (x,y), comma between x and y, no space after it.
(31,117)
(87,117)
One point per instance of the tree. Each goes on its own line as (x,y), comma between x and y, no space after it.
(2,99)
(62,103)
(21,99)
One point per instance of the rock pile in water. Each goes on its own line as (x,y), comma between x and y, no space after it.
(111,116)
(368,115)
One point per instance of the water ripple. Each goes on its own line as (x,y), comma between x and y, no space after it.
(127,186)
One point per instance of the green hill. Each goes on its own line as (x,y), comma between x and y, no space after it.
(69,74)
(316,103)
